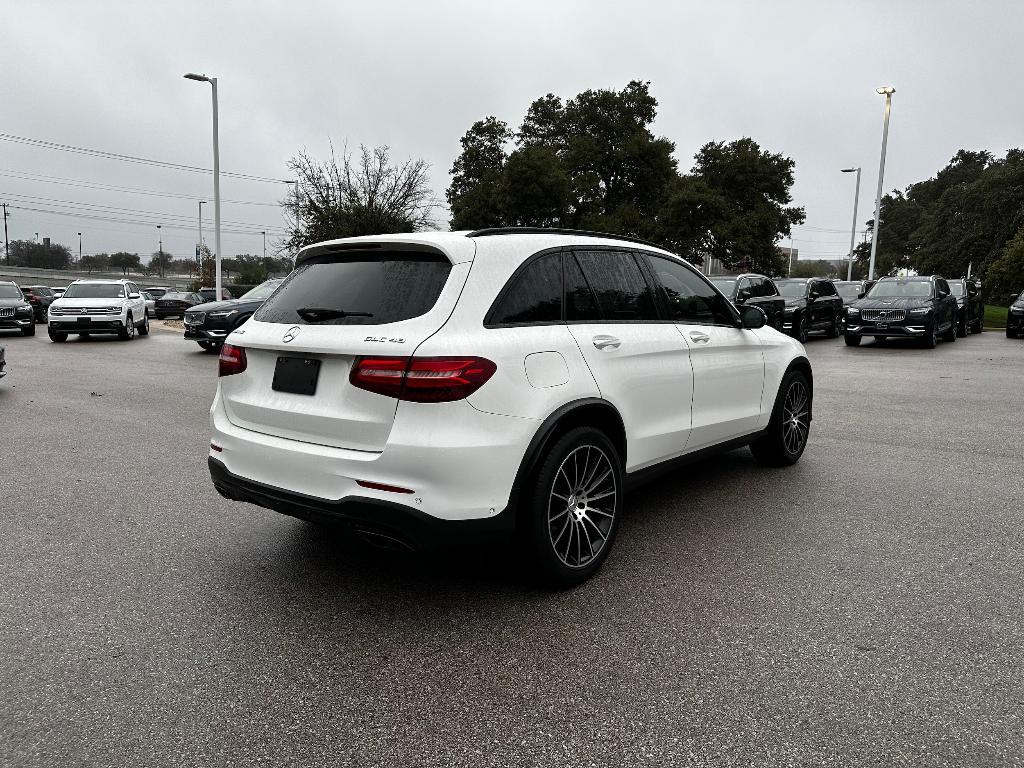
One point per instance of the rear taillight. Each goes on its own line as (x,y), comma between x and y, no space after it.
(232,360)
(422,379)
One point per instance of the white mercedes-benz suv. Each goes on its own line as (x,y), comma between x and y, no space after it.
(412,386)
(98,306)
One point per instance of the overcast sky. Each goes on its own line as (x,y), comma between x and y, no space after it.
(798,77)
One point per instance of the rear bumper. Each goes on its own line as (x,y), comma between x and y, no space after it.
(459,463)
(385,523)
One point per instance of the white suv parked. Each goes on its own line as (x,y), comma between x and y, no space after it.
(412,386)
(98,306)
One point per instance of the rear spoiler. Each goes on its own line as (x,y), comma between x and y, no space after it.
(344,251)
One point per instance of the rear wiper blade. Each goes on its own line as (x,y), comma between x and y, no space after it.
(320,314)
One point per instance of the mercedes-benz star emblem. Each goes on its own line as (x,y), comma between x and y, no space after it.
(291,333)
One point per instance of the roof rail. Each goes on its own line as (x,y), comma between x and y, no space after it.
(489,231)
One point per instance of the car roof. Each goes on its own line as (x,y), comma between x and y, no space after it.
(108,281)
(460,246)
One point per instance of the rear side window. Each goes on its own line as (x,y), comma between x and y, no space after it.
(580,303)
(621,290)
(358,290)
(535,296)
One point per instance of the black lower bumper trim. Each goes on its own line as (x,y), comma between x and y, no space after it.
(384,523)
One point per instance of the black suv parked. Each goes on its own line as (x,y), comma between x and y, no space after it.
(755,291)
(1015,317)
(812,304)
(16,312)
(208,324)
(970,308)
(919,307)
(40,297)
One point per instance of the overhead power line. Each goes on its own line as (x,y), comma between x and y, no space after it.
(84,183)
(136,222)
(41,144)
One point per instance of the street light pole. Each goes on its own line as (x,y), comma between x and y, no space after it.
(264,244)
(887,91)
(160,252)
(216,178)
(853,230)
(79,248)
(7,245)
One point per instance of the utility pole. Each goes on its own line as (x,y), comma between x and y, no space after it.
(7,245)
(264,244)
(79,248)
(160,252)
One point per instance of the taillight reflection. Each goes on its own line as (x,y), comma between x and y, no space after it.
(422,379)
(232,360)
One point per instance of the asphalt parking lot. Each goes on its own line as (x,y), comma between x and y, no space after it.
(861,608)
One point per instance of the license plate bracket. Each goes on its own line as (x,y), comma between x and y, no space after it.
(296,375)
(882,326)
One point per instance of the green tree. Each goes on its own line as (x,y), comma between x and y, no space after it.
(1005,275)
(99,262)
(755,187)
(368,195)
(28,253)
(126,262)
(159,262)
(593,162)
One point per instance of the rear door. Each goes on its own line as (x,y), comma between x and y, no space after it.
(640,363)
(328,312)
(728,362)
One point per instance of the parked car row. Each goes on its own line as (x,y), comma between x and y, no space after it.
(1015,317)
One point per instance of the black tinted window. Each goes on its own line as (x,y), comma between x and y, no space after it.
(536,294)
(579,300)
(387,288)
(690,299)
(768,287)
(620,287)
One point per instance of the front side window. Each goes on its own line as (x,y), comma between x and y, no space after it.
(690,299)
(94,291)
(536,294)
(358,289)
(621,290)
(768,287)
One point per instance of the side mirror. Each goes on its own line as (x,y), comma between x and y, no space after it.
(134,295)
(753,317)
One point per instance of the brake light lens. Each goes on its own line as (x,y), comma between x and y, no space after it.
(422,379)
(232,360)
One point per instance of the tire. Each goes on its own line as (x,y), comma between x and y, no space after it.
(127,333)
(950,335)
(977,325)
(852,339)
(57,336)
(962,328)
(30,331)
(1010,334)
(583,461)
(144,328)
(800,329)
(931,337)
(209,346)
(784,442)
(833,330)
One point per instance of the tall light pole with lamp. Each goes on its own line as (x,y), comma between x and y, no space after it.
(886,91)
(216,178)
(199,250)
(79,248)
(853,231)
(160,251)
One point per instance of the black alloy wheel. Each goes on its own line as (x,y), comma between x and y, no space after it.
(800,332)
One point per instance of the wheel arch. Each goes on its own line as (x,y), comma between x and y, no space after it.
(588,412)
(802,364)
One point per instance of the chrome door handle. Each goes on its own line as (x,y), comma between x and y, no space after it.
(699,337)
(606,342)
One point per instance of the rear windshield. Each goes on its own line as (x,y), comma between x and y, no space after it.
(957,289)
(848,290)
(10,292)
(724,284)
(178,296)
(357,290)
(792,288)
(94,291)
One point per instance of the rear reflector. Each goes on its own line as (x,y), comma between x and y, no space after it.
(382,487)
(232,360)
(422,379)
(215,447)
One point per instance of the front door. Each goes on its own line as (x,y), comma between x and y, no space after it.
(728,361)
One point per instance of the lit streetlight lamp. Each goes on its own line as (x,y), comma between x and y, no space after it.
(853,231)
(886,91)
(216,178)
